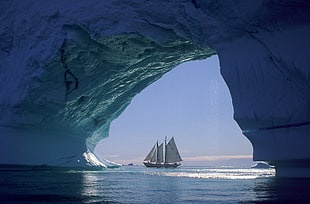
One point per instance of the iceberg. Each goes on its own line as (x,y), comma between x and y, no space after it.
(70,68)
(261,165)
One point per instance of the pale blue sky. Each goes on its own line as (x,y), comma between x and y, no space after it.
(191,103)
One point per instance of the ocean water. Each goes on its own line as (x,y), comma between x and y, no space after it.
(138,184)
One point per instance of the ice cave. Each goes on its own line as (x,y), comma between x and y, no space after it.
(68,68)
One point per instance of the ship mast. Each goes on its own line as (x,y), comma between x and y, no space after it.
(165,149)
(157,152)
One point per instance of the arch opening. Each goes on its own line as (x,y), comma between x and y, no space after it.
(191,103)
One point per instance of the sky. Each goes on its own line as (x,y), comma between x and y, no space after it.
(192,103)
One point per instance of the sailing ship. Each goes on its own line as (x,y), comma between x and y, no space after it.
(159,158)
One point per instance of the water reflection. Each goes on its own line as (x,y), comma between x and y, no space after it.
(38,186)
(44,186)
(142,185)
(281,190)
(96,188)
(119,186)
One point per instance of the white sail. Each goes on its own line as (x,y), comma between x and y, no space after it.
(172,153)
(154,156)
(150,154)
(160,153)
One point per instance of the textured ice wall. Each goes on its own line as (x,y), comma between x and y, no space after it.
(68,68)
(68,71)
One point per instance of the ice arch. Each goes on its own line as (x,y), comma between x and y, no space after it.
(69,68)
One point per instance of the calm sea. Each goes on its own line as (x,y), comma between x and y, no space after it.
(138,184)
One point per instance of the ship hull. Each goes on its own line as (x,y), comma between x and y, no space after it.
(161,165)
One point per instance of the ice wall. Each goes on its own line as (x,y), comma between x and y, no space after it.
(271,94)
(68,68)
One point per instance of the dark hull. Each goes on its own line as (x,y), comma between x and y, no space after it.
(166,165)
